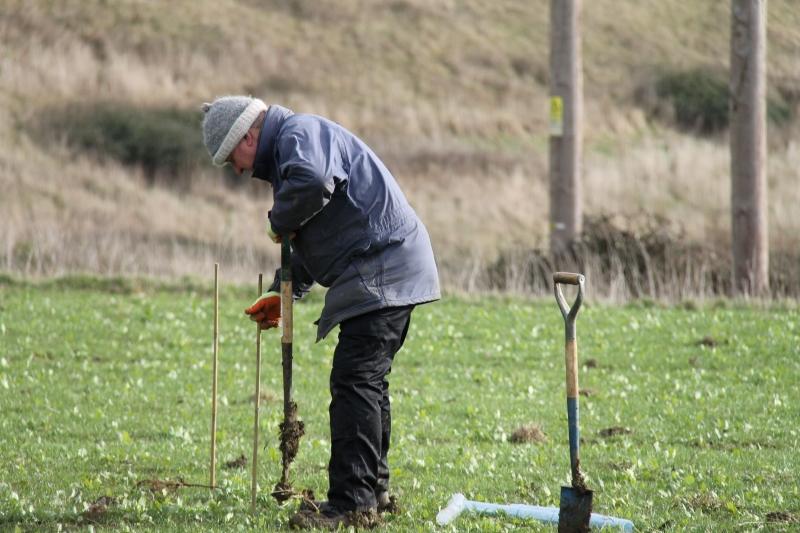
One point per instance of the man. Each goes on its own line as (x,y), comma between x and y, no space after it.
(352,231)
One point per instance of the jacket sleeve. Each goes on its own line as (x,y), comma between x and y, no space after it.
(301,279)
(307,178)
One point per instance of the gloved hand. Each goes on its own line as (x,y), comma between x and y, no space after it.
(274,237)
(266,310)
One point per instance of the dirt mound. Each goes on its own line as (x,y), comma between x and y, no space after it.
(784,517)
(97,509)
(614,431)
(528,433)
(239,462)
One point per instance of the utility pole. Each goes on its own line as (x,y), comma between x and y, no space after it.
(748,147)
(566,123)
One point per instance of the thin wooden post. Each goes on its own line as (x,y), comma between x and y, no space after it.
(254,484)
(215,351)
(748,147)
(566,122)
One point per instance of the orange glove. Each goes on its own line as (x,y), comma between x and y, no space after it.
(266,310)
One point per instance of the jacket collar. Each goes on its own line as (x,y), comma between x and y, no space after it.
(264,166)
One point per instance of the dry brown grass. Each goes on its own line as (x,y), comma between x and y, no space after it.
(452,94)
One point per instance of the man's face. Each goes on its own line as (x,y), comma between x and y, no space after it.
(244,155)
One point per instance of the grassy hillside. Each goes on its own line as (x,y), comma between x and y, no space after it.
(451,94)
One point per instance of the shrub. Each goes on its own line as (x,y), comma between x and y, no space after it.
(163,141)
(699,98)
(655,262)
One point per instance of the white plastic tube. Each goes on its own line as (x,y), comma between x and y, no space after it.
(458,504)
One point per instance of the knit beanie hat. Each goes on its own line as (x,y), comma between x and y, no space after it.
(226,122)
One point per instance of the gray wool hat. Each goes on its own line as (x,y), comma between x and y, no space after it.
(226,122)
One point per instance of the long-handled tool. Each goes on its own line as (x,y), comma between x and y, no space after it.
(575,512)
(291,428)
(257,401)
(575,509)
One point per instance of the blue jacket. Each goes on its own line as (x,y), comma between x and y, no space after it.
(355,231)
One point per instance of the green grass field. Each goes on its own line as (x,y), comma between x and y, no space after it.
(105,387)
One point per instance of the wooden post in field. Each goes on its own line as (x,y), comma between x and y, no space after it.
(566,119)
(215,351)
(748,147)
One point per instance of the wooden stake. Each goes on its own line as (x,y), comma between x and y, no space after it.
(213,482)
(254,485)
(566,123)
(748,147)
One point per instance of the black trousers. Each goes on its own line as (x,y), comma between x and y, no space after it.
(361,421)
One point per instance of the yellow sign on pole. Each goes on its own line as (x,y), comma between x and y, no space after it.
(556,116)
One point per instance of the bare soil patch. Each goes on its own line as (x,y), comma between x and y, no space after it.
(528,433)
(98,508)
(708,341)
(239,462)
(784,517)
(614,431)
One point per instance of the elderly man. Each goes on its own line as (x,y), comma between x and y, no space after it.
(352,231)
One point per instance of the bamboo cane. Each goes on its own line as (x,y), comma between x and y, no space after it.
(254,485)
(215,350)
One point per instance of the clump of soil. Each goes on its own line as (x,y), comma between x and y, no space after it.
(528,433)
(578,481)
(307,498)
(586,392)
(705,502)
(363,519)
(614,431)
(308,501)
(783,516)
(590,363)
(707,341)
(282,491)
(291,430)
(98,508)
(239,462)
(392,508)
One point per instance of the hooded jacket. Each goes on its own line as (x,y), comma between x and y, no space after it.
(355,232)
